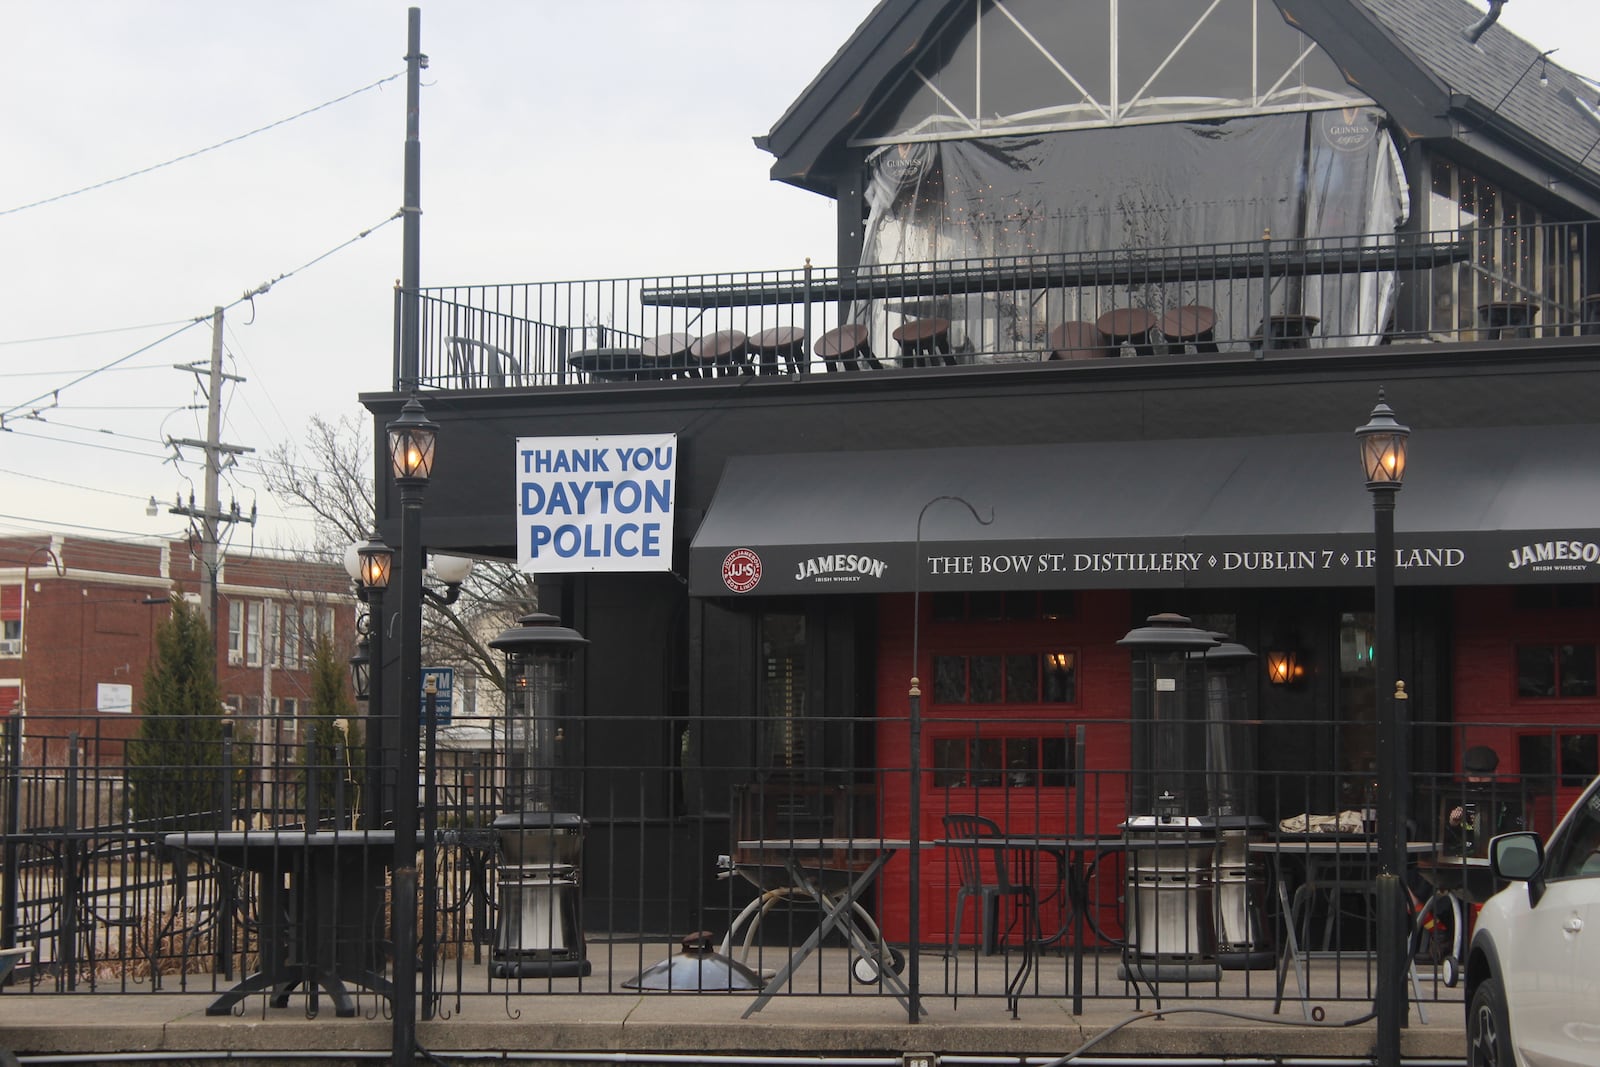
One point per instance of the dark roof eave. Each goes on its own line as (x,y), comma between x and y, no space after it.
(1373,61)
(813,128)
(1496,125)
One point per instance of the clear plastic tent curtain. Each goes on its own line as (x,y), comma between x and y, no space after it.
(1188,187)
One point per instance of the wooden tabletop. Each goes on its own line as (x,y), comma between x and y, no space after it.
(1123,323)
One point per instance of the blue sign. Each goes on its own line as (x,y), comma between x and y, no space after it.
(444,679)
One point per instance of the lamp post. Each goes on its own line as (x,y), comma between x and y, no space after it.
(370,565)
(914,695)
(1383,460)
(411,452)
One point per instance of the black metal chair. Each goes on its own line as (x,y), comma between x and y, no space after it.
(986,876)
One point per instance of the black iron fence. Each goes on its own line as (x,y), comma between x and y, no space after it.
(1475,284)
(1025,874)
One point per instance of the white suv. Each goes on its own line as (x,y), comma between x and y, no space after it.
(1533,972)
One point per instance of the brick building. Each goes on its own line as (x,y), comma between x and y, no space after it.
(79,617)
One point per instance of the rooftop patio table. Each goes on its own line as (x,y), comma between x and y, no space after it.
(1331,864)
(620,365)
(320,904)
(813,868)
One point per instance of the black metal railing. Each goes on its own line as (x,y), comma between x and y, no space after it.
(1254,297)
(110,896)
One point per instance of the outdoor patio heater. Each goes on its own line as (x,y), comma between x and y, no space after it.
(541,931)
(1230,759)
(1170,835)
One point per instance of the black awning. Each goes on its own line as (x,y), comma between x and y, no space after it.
(1493,506)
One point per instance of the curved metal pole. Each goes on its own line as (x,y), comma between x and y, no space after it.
(914,693)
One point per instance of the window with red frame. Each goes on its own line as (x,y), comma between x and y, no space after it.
(1006,678)
(11,620)
(1554,672)
(1023,762)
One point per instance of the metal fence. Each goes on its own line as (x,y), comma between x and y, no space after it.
(1244,297)
(279,889)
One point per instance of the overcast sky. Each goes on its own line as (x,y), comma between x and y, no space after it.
(599,138)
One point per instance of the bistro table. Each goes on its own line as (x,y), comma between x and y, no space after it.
(1077,860)
(813,865)
(619,365)
(320,909)
(1331,864)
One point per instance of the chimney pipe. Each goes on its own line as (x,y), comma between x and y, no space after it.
(1479,28)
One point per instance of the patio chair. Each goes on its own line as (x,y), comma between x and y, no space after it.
(986,876)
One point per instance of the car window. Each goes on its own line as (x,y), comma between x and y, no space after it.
(1577,852)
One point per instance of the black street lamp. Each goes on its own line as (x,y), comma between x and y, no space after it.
(411,452)
(369,565)
(1383,461)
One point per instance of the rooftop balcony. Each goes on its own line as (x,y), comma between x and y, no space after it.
(1252,298)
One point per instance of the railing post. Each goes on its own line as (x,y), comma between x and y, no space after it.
(67,933)
(806,317)
(430,825)
(12,740)
(223,950)
(1266,294)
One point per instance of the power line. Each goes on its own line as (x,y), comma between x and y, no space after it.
(84,444)
(91,333)
(53,372)
(71,485)
(54,395)
(201,151)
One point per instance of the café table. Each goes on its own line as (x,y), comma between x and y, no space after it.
(812,866)
(619,365)
(1077,860)
(1329,864)
(319,900)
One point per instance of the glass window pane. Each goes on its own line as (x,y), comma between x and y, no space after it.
(1536,671)
(1577,670)
(989,607)
(949,607)
(949,679)
(987,762)
(1580,758)
(1022,679)
(1022,761)
(949,762)
(985,679)
(1057,604)
(1054,762)
(1574,596)
(1061,678)
(1021,605)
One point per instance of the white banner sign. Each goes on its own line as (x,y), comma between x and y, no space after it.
(595,503)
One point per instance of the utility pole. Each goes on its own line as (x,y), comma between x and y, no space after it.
(210,515)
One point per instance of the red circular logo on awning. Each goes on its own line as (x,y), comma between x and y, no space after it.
(741,570)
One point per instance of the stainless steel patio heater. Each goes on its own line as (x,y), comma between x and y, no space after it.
(541,845)
(1230,760)
(1169,836)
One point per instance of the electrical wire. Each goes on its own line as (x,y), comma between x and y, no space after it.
(91,333)
(83,444)
(202,151)
(53,395)
(73,485)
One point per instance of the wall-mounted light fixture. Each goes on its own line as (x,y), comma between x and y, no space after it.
(1284,667)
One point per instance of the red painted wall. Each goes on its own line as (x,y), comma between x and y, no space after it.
(1489,626)
(1101,619)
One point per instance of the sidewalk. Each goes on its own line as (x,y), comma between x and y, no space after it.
(495,1019)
